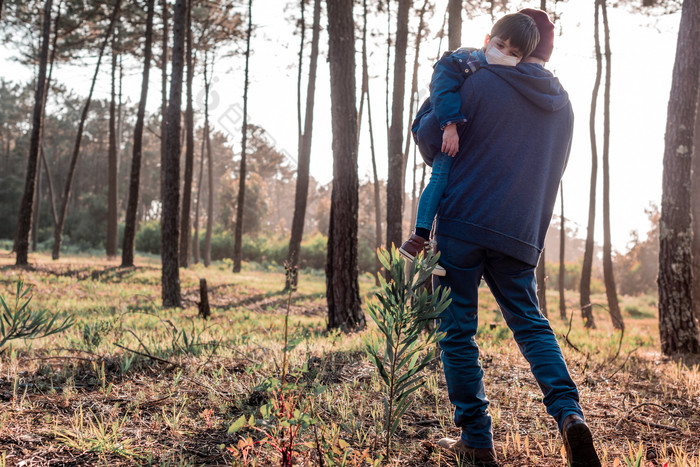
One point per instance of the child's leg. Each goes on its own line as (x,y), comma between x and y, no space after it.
(430,198)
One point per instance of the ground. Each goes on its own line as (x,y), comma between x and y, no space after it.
(134,384)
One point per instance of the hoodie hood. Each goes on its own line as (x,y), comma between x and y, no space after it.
(534,83)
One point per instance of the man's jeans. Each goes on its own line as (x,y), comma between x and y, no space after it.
(512,283)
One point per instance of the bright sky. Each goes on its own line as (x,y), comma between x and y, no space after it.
(643,50)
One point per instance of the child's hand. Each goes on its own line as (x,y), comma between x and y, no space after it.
(450,140)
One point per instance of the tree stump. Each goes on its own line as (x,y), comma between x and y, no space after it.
(204,310)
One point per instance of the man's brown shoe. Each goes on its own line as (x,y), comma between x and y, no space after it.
(578,441)
(415,245)
(482,457)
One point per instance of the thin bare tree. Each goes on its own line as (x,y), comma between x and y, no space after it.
(135,178)
(170,235)
(240,204)
(112,175)
(454,25)
(58,229)
(562,256)
(24,220)
(163,99)
(678,325)
(186,212)
(695,202)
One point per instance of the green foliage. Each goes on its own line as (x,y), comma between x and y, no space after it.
(19,321)
(402,311)
(147,238)
(92,333)
(86,227)
(11,188)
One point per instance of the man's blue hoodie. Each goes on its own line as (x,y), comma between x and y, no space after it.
(513,150)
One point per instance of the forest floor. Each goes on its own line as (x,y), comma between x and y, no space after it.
(132,383)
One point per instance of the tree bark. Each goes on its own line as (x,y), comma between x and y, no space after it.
(170,234)
(562,256)
(585,286)
(135,179)
(200,180)
(58,230)
(342,288)
(541,276)
(454,24)
(238,241)
(377,191)
(164,103)
(695,202)
(210,172)
(678,326)
(186,214)
(49,183)
(303,163)
(37,210)
(610,288)
(395,183)
(24,219)
(112,193)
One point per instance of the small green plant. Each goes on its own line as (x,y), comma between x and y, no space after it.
(19,321)
(403,310)
(92,333)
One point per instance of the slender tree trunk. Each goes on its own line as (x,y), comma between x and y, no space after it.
(695,201)
(388,69)
(541,276)
(395,183)
(186,214)
(238,241)
(610,288)
(195,240)
(342,288)
(210,171)
(301,62)
(170,234)
(454,27)
(112,194)
(303,164)
(164,102)
(24,219)
(37,210)
(1,7)
(585,287)
(49,182)
(562,256)
(377,190)
(58,231)
(678,326)
(414,91)
(135,179)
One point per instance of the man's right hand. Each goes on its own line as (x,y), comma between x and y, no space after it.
(450,140)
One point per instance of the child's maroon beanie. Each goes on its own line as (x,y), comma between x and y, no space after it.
(546,28)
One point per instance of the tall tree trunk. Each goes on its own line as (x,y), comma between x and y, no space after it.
(678,327)
(195,240)
(171,202)
(185,220)
(303,163)
(695,202)
(24,219)
(342,288)
(541,276)
(302,34)
(238,241)
(395,185)
(210,171)
(164,103)
(585,286)
(414,91)
(112,193)
(377,190)
(37,210)
(388,69)
(610,288)
(49,183)
(58,230)
(454,25)
(135,179)
(562,256)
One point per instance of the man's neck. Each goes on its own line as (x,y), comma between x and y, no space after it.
(531,59)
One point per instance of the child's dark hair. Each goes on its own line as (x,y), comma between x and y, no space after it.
(520,29)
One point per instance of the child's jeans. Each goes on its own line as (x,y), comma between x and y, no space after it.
(430,198)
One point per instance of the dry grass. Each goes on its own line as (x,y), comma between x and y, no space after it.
(80,399)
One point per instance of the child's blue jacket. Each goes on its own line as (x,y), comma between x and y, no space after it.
(448,75)
(513,150)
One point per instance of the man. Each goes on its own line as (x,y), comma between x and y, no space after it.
(492,222)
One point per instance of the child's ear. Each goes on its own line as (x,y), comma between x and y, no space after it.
(486,40)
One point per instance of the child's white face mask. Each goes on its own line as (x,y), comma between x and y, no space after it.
(496,57)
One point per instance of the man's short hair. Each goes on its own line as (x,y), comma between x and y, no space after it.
(520,29)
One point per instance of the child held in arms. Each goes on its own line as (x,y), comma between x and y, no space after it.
(512,38)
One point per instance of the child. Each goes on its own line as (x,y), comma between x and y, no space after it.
(512,38)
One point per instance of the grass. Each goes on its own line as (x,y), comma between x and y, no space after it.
(80,398)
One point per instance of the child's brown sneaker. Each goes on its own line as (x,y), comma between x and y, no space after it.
(414,245)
